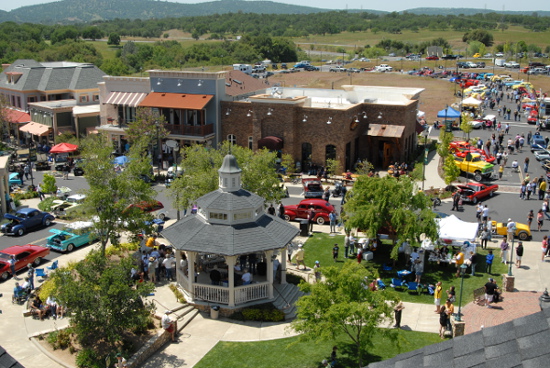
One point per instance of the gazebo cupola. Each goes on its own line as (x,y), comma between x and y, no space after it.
(230,174)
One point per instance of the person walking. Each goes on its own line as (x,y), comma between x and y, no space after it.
(484,238)
(40,192)
(437,296)
(519,254)
(530,217)
(540,219)
(490,288)
(344,191)
(300,257)
(542,188)
(332,218)
(526,164)
(504,251)
(317,272)
(335,251)
(544,247)
(473,262)
(489,261)
(398,310)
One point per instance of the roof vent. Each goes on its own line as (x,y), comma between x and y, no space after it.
(228,84)
(237,81)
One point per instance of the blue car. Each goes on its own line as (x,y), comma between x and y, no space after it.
(24,220)
(538,143)
(14,179)
(72,236)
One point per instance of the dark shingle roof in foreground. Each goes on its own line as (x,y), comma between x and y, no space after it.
(522,342)
(7,361)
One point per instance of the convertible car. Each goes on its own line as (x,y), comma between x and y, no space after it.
(73,235)
(522,230)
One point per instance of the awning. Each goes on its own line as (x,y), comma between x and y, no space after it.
(89,110)
(386,131)
(125,98)
(35,128)
(271,143)
(176,100)
(16,116)
(65,130)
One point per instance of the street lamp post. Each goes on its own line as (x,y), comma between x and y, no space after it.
(159,148)
(512,252)
(462,273)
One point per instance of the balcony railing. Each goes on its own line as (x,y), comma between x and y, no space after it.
(190,130)
(210,293)
(247,293)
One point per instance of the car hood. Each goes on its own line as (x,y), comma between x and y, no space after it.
(9,216)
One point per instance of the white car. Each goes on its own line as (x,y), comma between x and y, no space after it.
(499,54)
(476,124)
(383,68)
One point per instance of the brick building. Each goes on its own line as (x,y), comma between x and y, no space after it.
(377,124)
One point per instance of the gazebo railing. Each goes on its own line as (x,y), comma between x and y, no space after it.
(182,279)
(210,293)
(248,293)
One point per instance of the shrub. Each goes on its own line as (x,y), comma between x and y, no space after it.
(46,204)
(87,358)
(60,339)
(263,314)
(26,195)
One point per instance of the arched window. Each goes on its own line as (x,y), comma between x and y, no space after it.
(306,156)
(330,152)
(250,141)
(232,139)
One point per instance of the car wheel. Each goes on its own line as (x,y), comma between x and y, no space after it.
(477,176)
(5,276)
(287,217)
(475,200)
(162,216)
(523,236)
(47,222)
(20,232)
(320,220)
(70,248)
(37,262)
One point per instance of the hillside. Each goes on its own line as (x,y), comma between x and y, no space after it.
(76,11)
(472,11)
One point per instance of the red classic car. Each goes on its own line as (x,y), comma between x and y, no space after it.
(475,192)
(461,149)
(312,188)
(24,254)
(301,211)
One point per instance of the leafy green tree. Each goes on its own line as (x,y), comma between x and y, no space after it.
(92,32)
(48,184)
(64,33)
(111,193)
(445,139)
(480,35)
(103,301)
(342,304)
(451,169)
(147,126)
(200,165)
(115,67)
(114,39)
(465,124)
(393,206)
(334,167)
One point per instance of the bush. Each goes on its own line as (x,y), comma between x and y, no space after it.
(26,195)
(87,358)
(60,339)
(46,204)
(264,313)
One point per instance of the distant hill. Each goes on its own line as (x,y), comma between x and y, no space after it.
(472,11)
(76,11)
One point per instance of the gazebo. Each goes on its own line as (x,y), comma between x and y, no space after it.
(230,228)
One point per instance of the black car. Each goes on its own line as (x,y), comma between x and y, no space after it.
(311,68)
(449,57)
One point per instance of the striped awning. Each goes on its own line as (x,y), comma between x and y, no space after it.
(125,98)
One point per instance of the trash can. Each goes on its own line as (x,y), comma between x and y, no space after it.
(214,311)
(304,228)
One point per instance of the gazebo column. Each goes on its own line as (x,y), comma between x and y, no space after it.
(230,260)
(191,256)
(268,255)
(283,266)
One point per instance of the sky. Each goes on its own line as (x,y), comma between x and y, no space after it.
(395,5)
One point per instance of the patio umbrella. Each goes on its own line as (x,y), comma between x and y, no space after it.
(448,113)
(64,148)
(121,160)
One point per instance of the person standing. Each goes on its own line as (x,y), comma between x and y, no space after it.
(456,200)
(335,250)
(504,250)
(459,262)
(281,211)
(12,266)
(26,171)
(437,296)
(398,310)
(300,257)
(510,229)
(473,263)
(485,214)
(519,254)
(311,218)
(344,191)
(442,322)
(332,218)
(317,271)
(530,217)
(490,288)
(489,261)
(170,326)
(30,275)
(120,361)
(526,164)
(542,189)
(271,210)
(326,194)
(540,220)
(347,242)
(544,247)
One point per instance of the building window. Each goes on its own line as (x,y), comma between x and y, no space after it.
(242,216)
(84,98)
(218,216)
(250,141)
(232,139)
(95,98)
(330,152)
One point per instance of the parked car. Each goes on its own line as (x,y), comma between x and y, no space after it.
(449,57)
(383,68)
(311,68)
(537,143)
(499,54)
(477,55)
(24,254)
(14,179)
(155,208)
(337,69)
(432,57)
(321,208)
(73,235)
(522,230)
(42,165)
(474,192)
(313,188)
(25,219)
(511,64)
(354,70)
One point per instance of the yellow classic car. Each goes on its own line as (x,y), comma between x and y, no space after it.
(522,230)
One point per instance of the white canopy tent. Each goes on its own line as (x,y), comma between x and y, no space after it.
(453,231)
(471,101)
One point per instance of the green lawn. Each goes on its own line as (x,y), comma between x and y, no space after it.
(290,352)
(319,248)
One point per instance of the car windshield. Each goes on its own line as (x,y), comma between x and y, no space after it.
(4,256)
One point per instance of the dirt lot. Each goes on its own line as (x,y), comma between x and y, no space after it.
(437,94)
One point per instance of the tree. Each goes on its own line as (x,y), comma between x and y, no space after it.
(342,304)
(465,124)
(102,298)
(334,167)
(114,39)
(451,169)
(445,139)
(48,184)
(92,32)
(200,165)
(111,193)
(148,126)
(64,33)
(392,206)
(480,35)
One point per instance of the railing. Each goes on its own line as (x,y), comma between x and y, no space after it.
(191,130)
(210,293)
(182,279)
(247,293)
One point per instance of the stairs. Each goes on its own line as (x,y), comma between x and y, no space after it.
(285,299)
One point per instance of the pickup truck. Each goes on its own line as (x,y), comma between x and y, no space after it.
(337,69)
(312,188)
(383,68)
(474,164)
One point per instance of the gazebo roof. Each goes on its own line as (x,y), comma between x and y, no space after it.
(194,233)
(230,201)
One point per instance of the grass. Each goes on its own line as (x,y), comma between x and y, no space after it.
(319,248)
(291,352)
